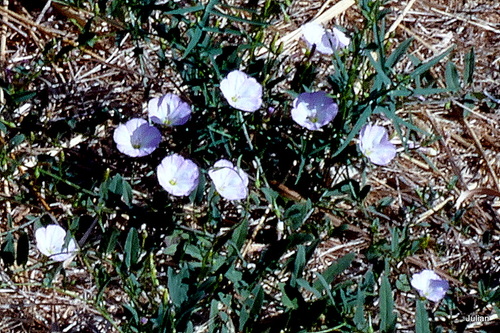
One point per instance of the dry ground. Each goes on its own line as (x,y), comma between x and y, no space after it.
(466,149)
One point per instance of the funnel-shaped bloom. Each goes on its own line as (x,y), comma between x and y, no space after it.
(231,182)
(374,143)
(314,110)
(51,242)
(137,138)
(326,42)
(430,285)
(169,110)
(177,175)
(241,91)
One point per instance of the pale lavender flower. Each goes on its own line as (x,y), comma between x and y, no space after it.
(314,110)
(326,42)
(137,138)
(50,241)
(231,182)
(430,285)
(169,110)
(374,143)
(241,91)
(177,175)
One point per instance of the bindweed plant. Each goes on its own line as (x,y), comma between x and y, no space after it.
(206,203)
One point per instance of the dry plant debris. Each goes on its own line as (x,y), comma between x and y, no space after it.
(465,149)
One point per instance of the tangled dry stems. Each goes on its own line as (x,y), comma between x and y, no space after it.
(466,149)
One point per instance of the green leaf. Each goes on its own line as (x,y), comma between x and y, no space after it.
(429,91)
(195,36)
(451,75)
(126,193)
(335,269)
(304,284)
(176,287)
(132,248)
(469,66)
(398,53)
(185,10)
(381,75)
(362,120)
(209,10)
(359,314)
(239,236)
(121,187)
(298,213)
(16,140)
(23,96)
(109,241)
(254,304)
(325,286)
(421,69)
(270,194)
(387,316)
(422,319)
(3,128)
(7,250)
(286,300)
(298,266)
(132,311)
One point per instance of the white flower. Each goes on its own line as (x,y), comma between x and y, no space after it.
(326,42)
(314,110)
(50,241)
(430,285)
(169,110)
(241,91)
(231,182)
(136,138)
(177,175)
(374,143)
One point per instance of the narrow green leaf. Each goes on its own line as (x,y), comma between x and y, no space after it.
(398,53)
(429,91)
(421,69)
(325,286)
(451,75)
(185,10)
(387,316)
(355,130)
(304,284)
(133,312)
(380,70)
(23,96)
(195,37)
(258,294)
(469,67)
(240,234)
(209,10)
(132,248)
(335,269)
(422,319)
(298,265)
(16,140)
(359,314)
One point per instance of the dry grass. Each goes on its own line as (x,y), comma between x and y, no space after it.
(466,149)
